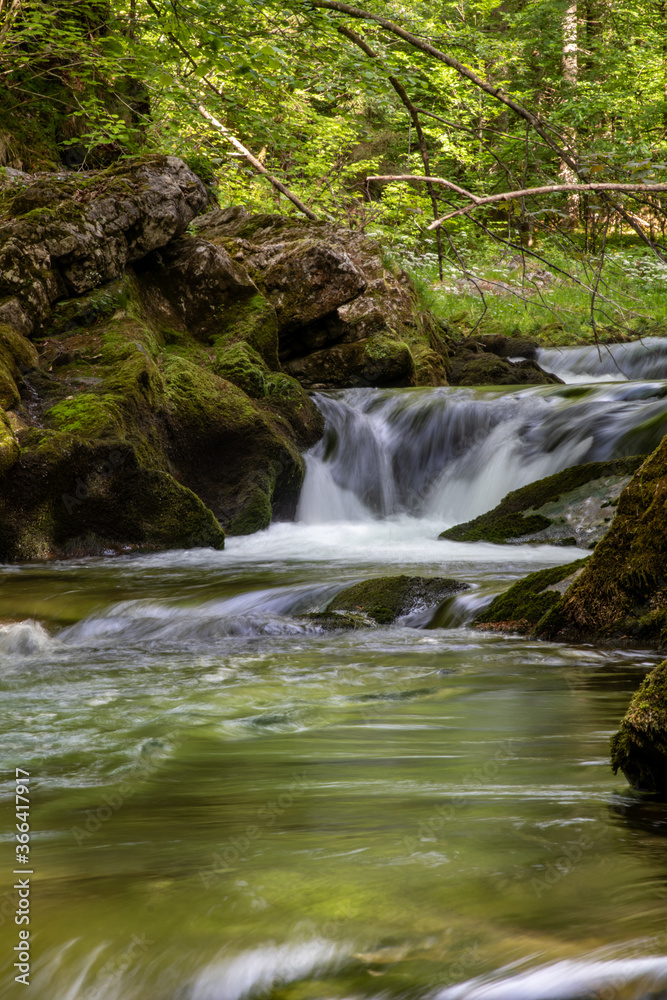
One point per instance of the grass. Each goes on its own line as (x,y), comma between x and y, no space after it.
(547,299)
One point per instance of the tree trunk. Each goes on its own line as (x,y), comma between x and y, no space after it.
(569,70)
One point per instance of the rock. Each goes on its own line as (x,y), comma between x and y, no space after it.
(525,604)
(375,362)
(336,621)
(66,235)
(573,507)
(191,284)
(639,748)
(510,347)
(387,598)
(468,368)
(71,497)
(17,356)
(331,290)
(622,594)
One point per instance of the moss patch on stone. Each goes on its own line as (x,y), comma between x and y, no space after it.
(639,748)
(522,513)
(390,597)
(621,595)
(524,605)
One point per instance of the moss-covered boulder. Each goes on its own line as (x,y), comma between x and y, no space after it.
(69,497)
(573,507)
(379,361)
(390,597)
(621,596)
(523,607)
(639,748)
(344,317)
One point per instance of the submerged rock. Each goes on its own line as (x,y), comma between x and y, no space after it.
(523,607)
(639,748)
(390,597)
(573,507)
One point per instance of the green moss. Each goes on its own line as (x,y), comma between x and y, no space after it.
(256,511)
(526,603)
(86,414)
(514,517)
(639,748)
(9,446)
(387,598)
(254,321)
(622,592)
(241,364)
(17,355)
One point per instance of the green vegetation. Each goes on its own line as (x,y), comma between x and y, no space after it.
(524,605)
(509,97)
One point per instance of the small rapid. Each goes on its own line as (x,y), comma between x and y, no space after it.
(451,454)
(639,359)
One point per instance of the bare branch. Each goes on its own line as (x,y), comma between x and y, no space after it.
(259,167)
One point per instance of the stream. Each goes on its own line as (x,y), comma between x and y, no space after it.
(229,803)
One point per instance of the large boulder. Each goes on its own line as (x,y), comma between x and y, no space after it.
(344,318)
(572,507)
(639,748)
(65,235)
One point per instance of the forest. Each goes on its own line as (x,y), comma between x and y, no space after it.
(486,98)
(333,499)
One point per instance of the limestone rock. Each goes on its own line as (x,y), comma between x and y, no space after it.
(573,507)
(66,235)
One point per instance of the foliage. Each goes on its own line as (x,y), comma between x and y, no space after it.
(102,79)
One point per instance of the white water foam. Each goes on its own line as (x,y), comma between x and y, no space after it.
(255,972)
(571,980)
(26,638)
(640,359)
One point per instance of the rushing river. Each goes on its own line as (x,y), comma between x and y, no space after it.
(227,803)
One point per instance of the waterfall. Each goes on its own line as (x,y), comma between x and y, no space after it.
(646,358)
(449,454)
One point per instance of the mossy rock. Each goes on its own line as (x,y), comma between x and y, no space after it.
(489,369)
(525,604)
(240,364)
(9,446)
(337,621)
(17,356)
(572,507)
(390,597)
(378,361)
(621,596)
(639,748)
(66,491)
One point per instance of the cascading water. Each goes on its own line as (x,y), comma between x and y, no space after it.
(451,454)
(261,809)
(639,359)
